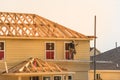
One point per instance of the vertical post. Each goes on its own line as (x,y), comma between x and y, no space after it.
(94,48)
(19,78)
(66,77)
(6,68)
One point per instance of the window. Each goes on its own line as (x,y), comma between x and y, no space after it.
(57,78)
(34,78)
(46,78)
(69,77)
(98,77)
(2,51)
(50,50)
(66,50)
(68,54)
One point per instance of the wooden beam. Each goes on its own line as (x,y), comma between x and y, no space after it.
(19,78)
(37,74)
(43,38)
(31,25)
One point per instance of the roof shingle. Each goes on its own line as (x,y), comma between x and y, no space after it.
(111,55)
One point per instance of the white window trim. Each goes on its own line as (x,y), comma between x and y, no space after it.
(3,50)
(71,76)
(54,49)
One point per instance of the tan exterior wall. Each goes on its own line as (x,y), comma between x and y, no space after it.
(106,74)
(8,78)
(82,50)
(19,50)
(28,77)
(80,69)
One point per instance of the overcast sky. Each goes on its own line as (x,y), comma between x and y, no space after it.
(77,15)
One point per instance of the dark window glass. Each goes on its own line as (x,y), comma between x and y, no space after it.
(66,46)
(1,45)
(68,55)
(46,78)
(69,77)
(49,46)
(57,77)
(49,50)
(98,76)
(34,78)
(2,50)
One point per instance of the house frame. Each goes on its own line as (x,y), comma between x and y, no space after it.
(21,30)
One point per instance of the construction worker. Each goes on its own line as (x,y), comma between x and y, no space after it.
(72,50)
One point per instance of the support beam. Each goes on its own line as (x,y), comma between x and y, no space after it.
(94,48)
(19,78)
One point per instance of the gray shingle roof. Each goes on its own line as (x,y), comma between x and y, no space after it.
(110,55)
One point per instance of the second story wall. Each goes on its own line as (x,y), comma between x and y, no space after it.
(19,50)
(82,50)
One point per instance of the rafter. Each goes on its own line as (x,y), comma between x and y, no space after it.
(31,25)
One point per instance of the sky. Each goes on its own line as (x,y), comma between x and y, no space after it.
(77,15)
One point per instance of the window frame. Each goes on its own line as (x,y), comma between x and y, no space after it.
(53,50)
(3,50)
(65,50)
(59,76)
(34,78)
(46,77)
(70,76)
(98,76)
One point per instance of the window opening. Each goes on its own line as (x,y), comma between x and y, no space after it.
(50,50)
(57,78)
(46,78)
(69,77)
(2,51)
(70,50)
(34,78)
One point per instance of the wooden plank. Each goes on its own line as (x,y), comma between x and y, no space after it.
(49,26)
(31,26)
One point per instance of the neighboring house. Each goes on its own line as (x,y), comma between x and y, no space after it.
(35,48)
(108,65)
(92,51)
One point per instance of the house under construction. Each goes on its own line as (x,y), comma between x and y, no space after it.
(35,48)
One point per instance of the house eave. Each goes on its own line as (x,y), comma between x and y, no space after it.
(43,38)
(105,71)
(37,74)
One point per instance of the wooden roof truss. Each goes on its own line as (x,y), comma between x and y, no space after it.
(34,65)
(31,25)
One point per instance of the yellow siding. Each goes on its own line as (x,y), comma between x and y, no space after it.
(80,69)
(2,66)
(106,74)
(19,50)
(83,75)
(59,50)
(82,50)
(8,77)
